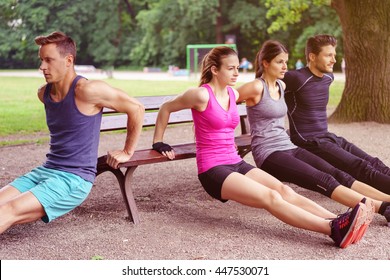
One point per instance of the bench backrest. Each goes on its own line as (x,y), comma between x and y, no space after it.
(113,120)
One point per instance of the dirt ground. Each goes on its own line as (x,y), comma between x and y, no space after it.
(178,219)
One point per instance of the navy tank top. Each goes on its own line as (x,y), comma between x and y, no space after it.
(74,137)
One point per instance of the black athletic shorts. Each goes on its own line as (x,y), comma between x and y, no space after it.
(213,178)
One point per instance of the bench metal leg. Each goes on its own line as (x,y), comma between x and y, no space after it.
(124,181)
(131,206)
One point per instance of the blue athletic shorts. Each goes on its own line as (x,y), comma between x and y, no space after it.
(59,192)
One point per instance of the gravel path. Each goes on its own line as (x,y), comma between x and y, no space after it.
(178,219)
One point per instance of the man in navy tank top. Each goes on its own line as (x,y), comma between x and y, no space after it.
(73,108)
(307,95)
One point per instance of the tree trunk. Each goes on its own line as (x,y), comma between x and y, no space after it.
(366,31)
(130,9)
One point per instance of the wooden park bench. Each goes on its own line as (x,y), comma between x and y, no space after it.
(112,121)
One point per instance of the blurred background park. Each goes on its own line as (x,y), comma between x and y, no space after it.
(133,34)
(153,36)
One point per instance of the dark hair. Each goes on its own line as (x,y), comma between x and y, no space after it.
(315,43)
(269,50)
(65,44)
(214,58)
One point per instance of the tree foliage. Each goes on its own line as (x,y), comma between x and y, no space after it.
(99,27)
(142,32)
(169,25)
(287,12)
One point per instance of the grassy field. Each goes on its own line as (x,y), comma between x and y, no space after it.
(22,113)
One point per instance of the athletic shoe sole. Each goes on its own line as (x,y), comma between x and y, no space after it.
(369,216)
(354,228)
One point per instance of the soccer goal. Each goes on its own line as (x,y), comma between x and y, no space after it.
(195,54)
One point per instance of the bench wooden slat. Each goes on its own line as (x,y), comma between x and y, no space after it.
(119,121)
(182,151)
(154,102)
(149,102)
(149,156)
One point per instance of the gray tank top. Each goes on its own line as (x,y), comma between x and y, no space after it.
(267,119)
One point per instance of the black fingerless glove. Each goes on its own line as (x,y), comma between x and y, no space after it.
(161,147)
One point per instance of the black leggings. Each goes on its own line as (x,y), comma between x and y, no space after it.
(306,170)
(212,179)
(347,157)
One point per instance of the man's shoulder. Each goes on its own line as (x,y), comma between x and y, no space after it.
(298,73)
(41,91)
(329,75)
(295,78)
(86,86)
(42,88)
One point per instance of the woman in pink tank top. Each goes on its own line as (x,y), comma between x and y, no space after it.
(221,171)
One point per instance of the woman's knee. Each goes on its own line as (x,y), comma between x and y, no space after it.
(272,199)
(286,191)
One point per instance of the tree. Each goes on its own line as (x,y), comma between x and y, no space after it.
(146,32)
(366,38)
(366,30)
(101,28)
(33,18)
(169,25)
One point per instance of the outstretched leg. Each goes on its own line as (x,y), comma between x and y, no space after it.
(369,191)
(7,193)
(23,208)
(289,194)
(246,191)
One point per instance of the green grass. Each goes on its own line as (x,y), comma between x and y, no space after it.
(336,91)
(20,109)
(22,113)
(17,142)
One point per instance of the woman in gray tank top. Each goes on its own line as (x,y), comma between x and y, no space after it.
(273,150)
